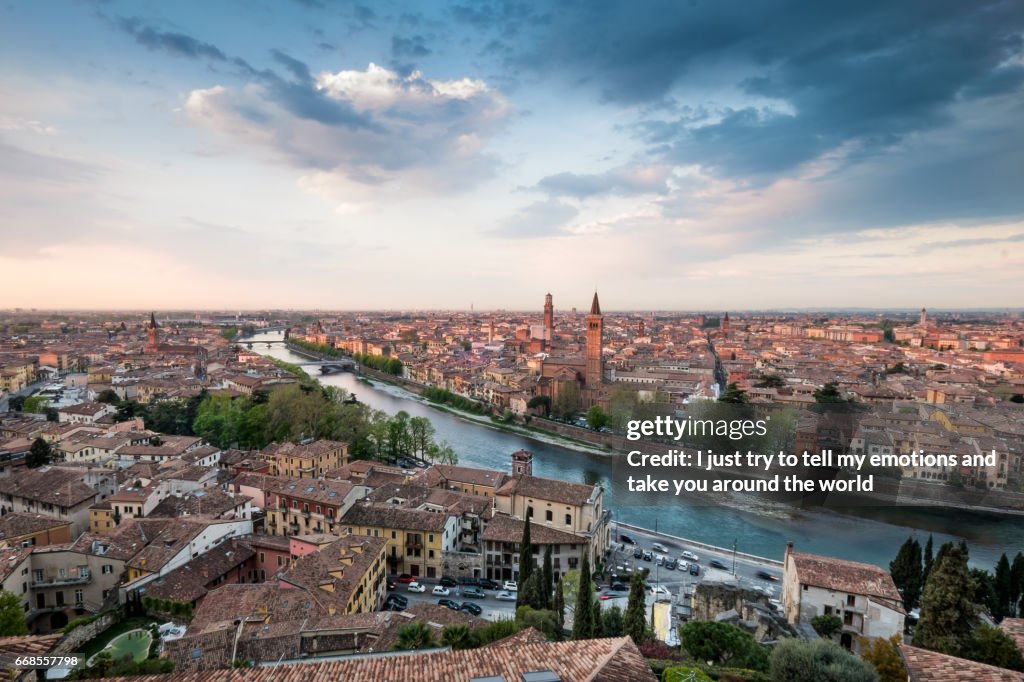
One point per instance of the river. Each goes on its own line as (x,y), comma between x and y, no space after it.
(869,534)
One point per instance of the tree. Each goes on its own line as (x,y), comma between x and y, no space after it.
(40,454)
(540,401)
(544,621)
(35,403)
(1016,584)
(734,395)
(827,625)
(16,403)
(797,660)
(583,618)
(12,616)
(634,622)
(884,657)
(722,644)
(597,418)
(928,561)
(829,393)
(109,396)
(421,433)
(993,646)
(531,593)
(567,400)
(547,577)
(414,636)
(947,613)
(612,623)
(458,637)
(525,563)
(559,608)
(771,381)
(1002,606)
(906,573)
(684,673)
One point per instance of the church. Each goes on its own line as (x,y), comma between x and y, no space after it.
(572,376)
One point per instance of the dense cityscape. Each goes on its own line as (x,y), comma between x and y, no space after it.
(166,475)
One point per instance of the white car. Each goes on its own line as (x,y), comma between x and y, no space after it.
(505,596)
(417,587)
(691,556)
(658,547)
(510,586)
(439,590)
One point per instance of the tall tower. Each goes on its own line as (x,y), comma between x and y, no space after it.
(522,463)
(640,329)
(595,341)
(924,317)
(549,321)
(725,325)
(151,333)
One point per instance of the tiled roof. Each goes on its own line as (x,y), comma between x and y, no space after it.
(593,660)
(17,524)
(326,492)
(340,565)
(851,577)
(929,666)
(470,475)
(503,528)
(48,485)
(314,449)
(390,516)
(211,502)
(1014,628)
(534,487)
(188,583)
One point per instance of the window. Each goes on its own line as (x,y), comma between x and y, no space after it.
(318,509)
(394,535)
(568,519)
(263,557)
(548,516)
(529,512)
(278,560)
(848,618)
(851,600)
(430,537)
(62,572)
(79,597)
(106,568)
(37,575)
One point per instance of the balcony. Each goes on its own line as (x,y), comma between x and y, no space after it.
(62,582)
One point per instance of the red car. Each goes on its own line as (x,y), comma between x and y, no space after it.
(406,578)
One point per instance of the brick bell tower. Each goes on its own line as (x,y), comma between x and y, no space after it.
(595,341)
(549,322)
(151,340)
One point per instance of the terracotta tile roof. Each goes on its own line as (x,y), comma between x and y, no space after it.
(314,449)
(340,565)
(527,636)
(503,528)
(851,577)
(597,660)
(32,645)
(390,516)
(188,583)
(534,487)
(470,475)
(11,559)
(17,524)
(930,666)
(327,492)
(1014,628)
(211,502)
(48,485)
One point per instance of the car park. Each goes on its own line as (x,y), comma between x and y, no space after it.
(715,563)
(417,587)
(450,603)
(440,590)
(505,596)
(658,547)
(510,586)
(690,556)
(470,607)
(473,592)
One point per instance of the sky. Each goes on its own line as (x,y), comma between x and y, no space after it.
(689,155)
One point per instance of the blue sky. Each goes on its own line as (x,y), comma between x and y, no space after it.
(676,155)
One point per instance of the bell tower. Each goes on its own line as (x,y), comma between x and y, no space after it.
(522,463)
(595,341)
(151,340)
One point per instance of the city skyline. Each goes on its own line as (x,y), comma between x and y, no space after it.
(431,156)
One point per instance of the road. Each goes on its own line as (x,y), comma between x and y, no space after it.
(493,609)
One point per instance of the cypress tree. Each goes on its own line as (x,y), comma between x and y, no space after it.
(906,572)
(1002,589)
(559,608)
(583,619)
(525,563)
(947,614)
(547,578)
(635,619)
(1017,585)
(928,560)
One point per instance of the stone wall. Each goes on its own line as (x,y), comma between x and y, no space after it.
(74,640)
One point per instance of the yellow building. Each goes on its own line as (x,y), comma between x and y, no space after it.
(308,459)
(416,539)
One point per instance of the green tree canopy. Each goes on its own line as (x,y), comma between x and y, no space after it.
(908,573)
(597,418)
(583,620)
(795,660)
(40,454)
(722,644)
(12,616)
(884,656)
(947,611)
(414,636)
(634,621)
(734,395)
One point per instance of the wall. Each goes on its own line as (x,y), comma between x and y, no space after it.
(73,641)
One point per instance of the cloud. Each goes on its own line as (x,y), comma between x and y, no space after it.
(929,247)
(175,43)
(539,219)
(370,127)
(413,47)
(625,180)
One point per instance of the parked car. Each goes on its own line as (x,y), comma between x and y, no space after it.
(670,564)
(467,580)
(396,602)
(765,575)
(638,553)
(470,607)
(473,592)
(406,578)
(659,560)
(417,587)
(505,596)
(510,586)
(648,556)
(690,556)
(450,603)
(694,569)
(618,587)
(440,590)
(658,547)
(715,563)
(625,539)
(391,584)
(448,581)
(488,584)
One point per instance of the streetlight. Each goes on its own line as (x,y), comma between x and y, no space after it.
(735,540)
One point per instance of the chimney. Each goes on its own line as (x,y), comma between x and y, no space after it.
(785,557)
